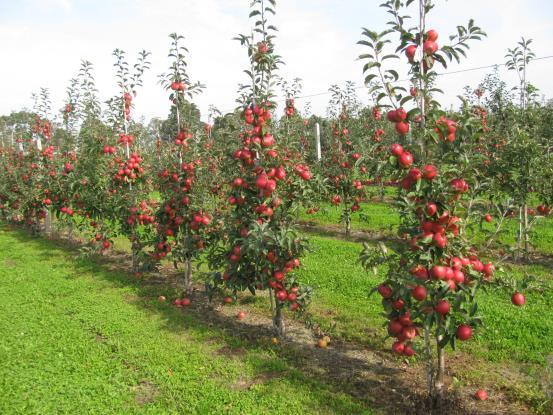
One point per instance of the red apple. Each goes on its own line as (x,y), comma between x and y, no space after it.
(429,172)
(402,127)
(410,52)
(430,47)
(419,293)
(481,395)
(442,307)
(432,35)
(395,327)
(398,304)
(398,347)
(464,332)
(438,272)
(385,291)
(431,209)
(408,351)
(396,149)
(405,159)
(518,299)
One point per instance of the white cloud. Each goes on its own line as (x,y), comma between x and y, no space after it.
(64,4)
(316,45)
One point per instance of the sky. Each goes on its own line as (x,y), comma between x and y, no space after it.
(42,43)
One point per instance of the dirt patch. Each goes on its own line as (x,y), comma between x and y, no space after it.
(129,365)
(229,351)
(335,231)
(245,384)
(9,263)
(534,258)
(132,298)
(145,392)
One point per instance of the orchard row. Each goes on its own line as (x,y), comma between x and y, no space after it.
(229,194)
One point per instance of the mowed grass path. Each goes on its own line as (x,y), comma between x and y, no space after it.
(77,339)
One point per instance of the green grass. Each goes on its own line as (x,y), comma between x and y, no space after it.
(541,234)
(519,334)
(341,288)
(374,216)
(77,338)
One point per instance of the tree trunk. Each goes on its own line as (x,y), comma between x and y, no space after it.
(520,231)
(135,249)
(429,363)
(36,227)
(440,370)
(48,223)
(188,277)
(278,321)
(525,234)
(347,219)
(70,233)
(272,300)
(348,227)
(276,312)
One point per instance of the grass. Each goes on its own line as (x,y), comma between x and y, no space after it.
(79,339)
(372,217)
(91,340)
(541,234)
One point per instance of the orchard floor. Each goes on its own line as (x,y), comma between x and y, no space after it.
(83,336)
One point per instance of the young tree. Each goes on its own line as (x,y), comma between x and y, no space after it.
(262,247)
(183,220)
(433,278)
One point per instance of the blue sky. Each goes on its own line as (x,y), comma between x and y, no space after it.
(43,41)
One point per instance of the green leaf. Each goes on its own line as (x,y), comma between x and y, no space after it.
(369,78)
(473,309)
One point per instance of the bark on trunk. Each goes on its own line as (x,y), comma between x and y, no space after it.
(525,235)
(520,231)
(276,312)
(48,223)
(348,228)
(440,371)
(187,277)
(429,363)
(135,249)
(278,322)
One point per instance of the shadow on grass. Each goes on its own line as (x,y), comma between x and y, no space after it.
(371,380)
